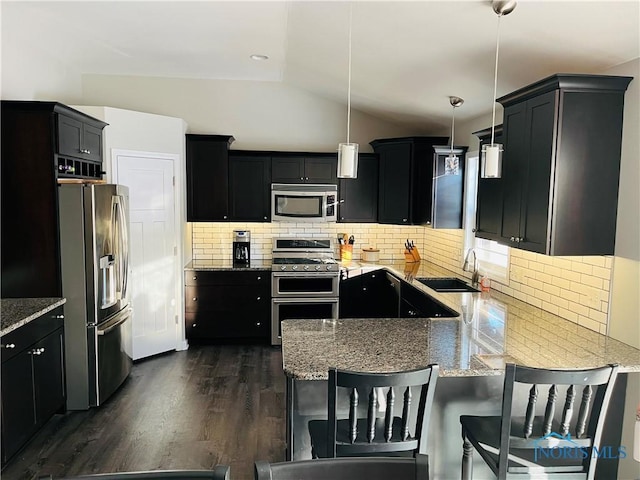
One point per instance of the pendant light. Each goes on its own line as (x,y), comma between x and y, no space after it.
(348,152)
(492,153)
(452,162)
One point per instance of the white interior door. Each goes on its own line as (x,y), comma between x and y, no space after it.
(153,244)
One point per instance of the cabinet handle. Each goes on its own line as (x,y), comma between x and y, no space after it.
(306,178)
(404,219)
(341,218)
(259,278)
(521,239)
(364,289)
(264,218)
(258,324)
(411,313)
(258,298)
(59,317)
(428,223)
(301,178)
(9,345)
(517,240)
(224,217)
(37,351)
(513,239)
(194,325)
(195,299)
(195,277)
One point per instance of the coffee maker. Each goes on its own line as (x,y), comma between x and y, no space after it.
(241,248)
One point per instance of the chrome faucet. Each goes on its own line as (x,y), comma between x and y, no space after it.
(475,276)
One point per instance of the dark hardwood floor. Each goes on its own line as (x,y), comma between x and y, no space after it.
(209,405)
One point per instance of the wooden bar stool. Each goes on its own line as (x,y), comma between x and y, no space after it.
(547,445)
(366,434)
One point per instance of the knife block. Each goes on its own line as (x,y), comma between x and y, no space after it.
(412,255)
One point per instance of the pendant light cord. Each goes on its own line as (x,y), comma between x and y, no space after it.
(495,83)
(349,78)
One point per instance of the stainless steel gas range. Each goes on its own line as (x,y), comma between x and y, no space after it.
(305,280)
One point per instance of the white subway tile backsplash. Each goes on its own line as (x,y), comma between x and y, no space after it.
(575,288)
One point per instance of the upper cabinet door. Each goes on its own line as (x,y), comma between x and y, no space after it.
(92,142)
(287,169)
(208,178)
(69,136)
(321,169)
(359,196)
(250,187)
(394,192)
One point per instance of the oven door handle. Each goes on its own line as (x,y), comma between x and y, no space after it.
(306,300)
(307,275)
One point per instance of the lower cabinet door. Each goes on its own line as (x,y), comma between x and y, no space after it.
(48,376)
(227,324)
(18,412)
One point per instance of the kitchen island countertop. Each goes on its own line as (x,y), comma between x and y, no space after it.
(492,329)
(16,312)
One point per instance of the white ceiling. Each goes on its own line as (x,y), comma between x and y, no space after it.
(408,57)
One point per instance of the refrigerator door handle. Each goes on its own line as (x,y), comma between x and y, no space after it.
(123,245)
(123,318)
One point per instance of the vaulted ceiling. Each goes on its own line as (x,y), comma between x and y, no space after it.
(408,57)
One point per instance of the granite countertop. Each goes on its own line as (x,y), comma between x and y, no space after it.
(16,312)
(227,265)
(492,329)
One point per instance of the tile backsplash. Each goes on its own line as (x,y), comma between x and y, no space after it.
(574,288)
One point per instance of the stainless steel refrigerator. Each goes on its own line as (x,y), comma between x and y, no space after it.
(94,245)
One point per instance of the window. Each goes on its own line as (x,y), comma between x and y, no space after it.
(493,258)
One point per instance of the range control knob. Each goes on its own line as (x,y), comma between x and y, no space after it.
(283,268)
(295,267)
(328,267)
(306,267)
(317,267)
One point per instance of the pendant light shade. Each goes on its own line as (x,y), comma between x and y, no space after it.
(348,160)
(491,164)
(348,152)
(452,162)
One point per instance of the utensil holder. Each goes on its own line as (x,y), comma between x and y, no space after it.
(346,252)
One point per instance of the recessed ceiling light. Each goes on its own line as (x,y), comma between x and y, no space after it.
(258,57)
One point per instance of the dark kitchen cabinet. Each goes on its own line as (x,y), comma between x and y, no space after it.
(226,305)
(77,138)
(489,199)
(405,179)
(415,303)
(250,186)
(359,196)
(561,164)
(32,379)
(373,294)
(35,155)
(208,177)
(379,294)
(304,168)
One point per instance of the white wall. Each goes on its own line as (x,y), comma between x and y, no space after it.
(30,72)
(260,115)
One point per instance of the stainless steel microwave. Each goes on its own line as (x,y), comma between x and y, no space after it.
(303,202)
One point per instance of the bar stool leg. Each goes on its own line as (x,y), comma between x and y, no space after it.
(467,458)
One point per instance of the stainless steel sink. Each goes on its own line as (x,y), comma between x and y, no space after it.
(445,285)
